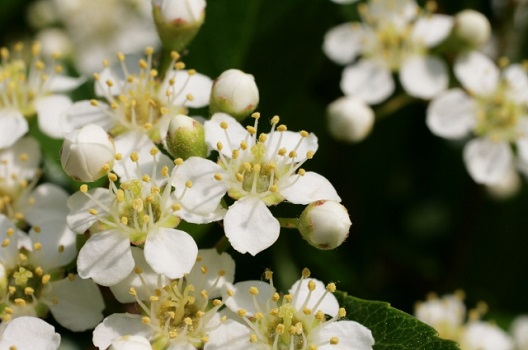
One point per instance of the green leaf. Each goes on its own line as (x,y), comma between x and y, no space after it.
(392,329)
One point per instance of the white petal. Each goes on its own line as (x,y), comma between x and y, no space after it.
(230,335)
(351,335)
(22,162)
(368,80)
(477,73)
(130,342)
(121,290)
(83,112)
(343,43)
(50,110)
(48,202)
(309,188)
(205,194)
(117,325)
(62,83)
(343,1)
(212,280)
(522,142)
(8,253)
(250,226)
(452,114)
(517,79)
(485,336)
(58,244)
(106,258)
(108,74)
(198,85)
(24,332)
(170,252)
(214,133)
(300,292)
(13,126)
(290,141)
(80,303)
(431,30)
(424,76)
(487,161)
(242,299)
(79,219)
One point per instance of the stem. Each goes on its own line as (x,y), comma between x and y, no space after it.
(289,222)
(222,245)
(393,105)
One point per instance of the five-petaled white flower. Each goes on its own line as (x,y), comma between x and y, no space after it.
(23,333)
(175,314)
(493,107)
(308,317)
(257,171)
(395,36)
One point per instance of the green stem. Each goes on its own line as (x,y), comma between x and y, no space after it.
(222,245)
(393,105)
(289,222)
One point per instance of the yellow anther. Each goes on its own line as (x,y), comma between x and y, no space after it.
(257,168)
(203,294)
(10,231)
(83,188)
(320,316)
(334,341)
(307,311)
(341,313)
(165,171)
(262,138)
(120,195)
(29,291)
(6,242)
(8,310)
(268,275)
(134,156)
(145,320)
(218,177)
(188,184)
(153,298)
(243,145)
(304,133)
(275,120)
(118,156)
(255,115)
(37,246)
(275,297)
(174,55)
(274,312)
(45,279)
(301,172)
(93,211)
(38,271)
(106,63)
(251,129)
(235,154)
(217,302)
(288,298)
(96,76)
(219,146)
(71,276)
(223,125)
(12,290)
(153,73)
(188,321)
(124,220)
(247,166)
(112,177)
(279,329)
(164,110)
(178,161)
(292,154)
(305,273)
(132,291)
(176,207)
(253,338)
(282,152)
(149,51)
(282,128)
(143,64)
(109,83)
(189,97)
(309,154)
(221,273)
(239,177)
(253,291)
(179,65)
(331,287)
(145,178)
(60,249)
(20,302)
(241,312)
(259,316)
(230,293)
(273,189)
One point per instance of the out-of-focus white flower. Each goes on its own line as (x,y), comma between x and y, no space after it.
(181,12)
(142,211)
(292,321)
(55,40)
(472,27)
(33,280)
(507,187)
(138,102)
(234,92)
(519,332)
(27,89)
(257,171)
(325,224)
(493,107)
(343,1)
(395,36)
(178,314)
(87,154)
(349,119)
(26,332)
(480,335)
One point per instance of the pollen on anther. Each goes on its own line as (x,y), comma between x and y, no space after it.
(331,287)
(45,279)
(112,177)
(176,207)
(334,341)
(83,188)
(217,302)
(309,154)
(145,320)
(255,115)
(134,156)
(251,130)
(29,291)
(275,120)
(218,177)
(342,312)
(37,246)
(6,242)
(118,156)
(282,128)
(188,184)
(301,172)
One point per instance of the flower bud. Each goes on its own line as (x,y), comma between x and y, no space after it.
(234,92)
(87,153)
(472,27)
(349,119)
(185,138)
(178,21)
(324,224)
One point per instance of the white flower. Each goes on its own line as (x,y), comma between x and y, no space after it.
(257,171)
(87,153)
(24,333)
(325,224)
(27,89)
(297,320)
(33,280)
(394,37)
(142,211)
(493,107)
(480,335)
(234,92)
(181,12)
(519,332)
(472,27)
(138,101)
(349,119)
(446,315)
(180,314)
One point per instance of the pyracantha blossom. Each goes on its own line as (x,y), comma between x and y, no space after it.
(28,89)
(175,314)
(257,171)
(492,106)
(519,332)
(308,317)
(25,332)
(33,280)
(394,36)
(135,101)
(448,316)
(141,210)
(22,202)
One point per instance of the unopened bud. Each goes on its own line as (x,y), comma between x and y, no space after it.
(185,138)
(472,27)
(234,92)
(349,119)
(178,21)
(325,224)
(87,153)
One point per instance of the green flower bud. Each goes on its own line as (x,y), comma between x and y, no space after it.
(87,153)
(178,21)
(324,224)
(234,92)
(185,138)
